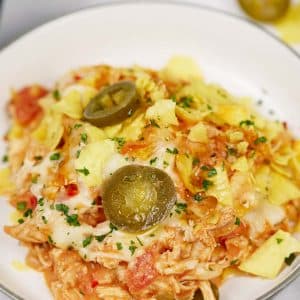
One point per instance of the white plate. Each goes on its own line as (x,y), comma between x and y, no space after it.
(230,51)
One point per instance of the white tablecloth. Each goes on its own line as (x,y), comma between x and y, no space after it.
(20,16)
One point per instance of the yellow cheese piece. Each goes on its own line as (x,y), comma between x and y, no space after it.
(268,259)
(181,67)
(163,112)
(241,164)
(92,159)
(232,114)
(198,133)
(221,188)
(6,184)
(282,189)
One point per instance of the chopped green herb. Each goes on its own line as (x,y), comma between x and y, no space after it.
(231,151)
(21,206)
(185,102)
(41,201)
(204,168)
(279,240)
(246,122)
(73,220)
(28,213)
(289,260)
(140,242)
(153,160)
(180,207)
(84,171)
(261,139)
(234,262)
(87,241)
(44,220)
(120,141)
(77,125)
(5,158)
(35,179)
(206,184)
(78,153)
(100,238)
(173,98)
(172,151)
(196,161)
(197,197)
(55,156)
(212,172)
(209,107)
(112,227)
(38,157)
(84,137)
(20,221)
(119,246)
(165,163)
(50,240)
(132,247)
(152,235)
(56,94)
(62,208)
(237,221)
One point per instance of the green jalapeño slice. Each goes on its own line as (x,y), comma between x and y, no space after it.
(137,197)
(112,105)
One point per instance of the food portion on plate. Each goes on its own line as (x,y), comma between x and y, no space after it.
(132,183)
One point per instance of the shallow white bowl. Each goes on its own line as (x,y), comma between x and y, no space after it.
(230,50)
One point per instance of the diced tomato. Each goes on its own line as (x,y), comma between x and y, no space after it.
(94,283)
(77,77)
(71,189)
(132,147)
(240,230)
(26,105)
(143,273)
(33,201)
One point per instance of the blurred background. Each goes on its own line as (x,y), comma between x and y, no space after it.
(281,17)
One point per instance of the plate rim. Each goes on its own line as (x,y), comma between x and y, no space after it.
(295,273)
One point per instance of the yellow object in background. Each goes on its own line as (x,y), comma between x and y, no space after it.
(289,25)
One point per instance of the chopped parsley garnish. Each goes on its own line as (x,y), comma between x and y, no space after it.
(261,139)
(119,246)
(237,221)
(289,260)
(41,201)
(279,241)
(50,240)
(246,122)
(5,158)
(231,151)
(28,213)
(112,227)
(62,208)
(209,107)
(84,171)
(212,172)
(140,242)
(197,197)
(55,156)
(234,262)
(100,238)
(204,168)
(185,102)
(77,125)
(172,151)
(152,235)
(173,98)
(206,184)
(132,247)
(35,179)
(78,153)
(153,123)
(21,206)
(44,220)
(38,157)
(56,94)
(165,163)
(153,160)
(196,161)
(21,221)
(87,241)
(120,141)
(180,207)
(84,137)
(73,220)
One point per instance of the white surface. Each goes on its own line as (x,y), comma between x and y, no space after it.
(240,71)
